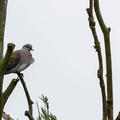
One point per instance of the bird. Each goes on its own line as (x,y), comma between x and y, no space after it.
(20,60)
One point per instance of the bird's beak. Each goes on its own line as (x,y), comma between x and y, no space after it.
(32,49)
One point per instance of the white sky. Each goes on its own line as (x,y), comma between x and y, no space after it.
(65,61)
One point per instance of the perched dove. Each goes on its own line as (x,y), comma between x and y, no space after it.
(20,59)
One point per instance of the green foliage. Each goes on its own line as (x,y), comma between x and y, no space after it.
(45,114)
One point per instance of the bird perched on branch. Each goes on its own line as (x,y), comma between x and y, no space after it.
(20,60)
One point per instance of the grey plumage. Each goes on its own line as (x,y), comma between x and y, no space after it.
(20,60)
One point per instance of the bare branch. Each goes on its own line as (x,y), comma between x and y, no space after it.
(39,115)
(10,48)
(106,33)
(9,90)
(98,50)
(30,102)
(3,65)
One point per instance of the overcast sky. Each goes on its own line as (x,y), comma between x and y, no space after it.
(66,63)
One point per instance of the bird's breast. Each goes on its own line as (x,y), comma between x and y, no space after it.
(26,57)
(22,67)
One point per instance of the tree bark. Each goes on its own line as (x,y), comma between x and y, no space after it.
(3,8)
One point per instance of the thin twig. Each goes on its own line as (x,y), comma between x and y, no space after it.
(98,50)
(30,102)
(39,115)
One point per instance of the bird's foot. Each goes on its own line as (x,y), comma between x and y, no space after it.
(20,74)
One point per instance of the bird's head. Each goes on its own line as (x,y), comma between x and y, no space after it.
(28,47)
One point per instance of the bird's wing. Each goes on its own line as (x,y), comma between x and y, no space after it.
(14,60)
